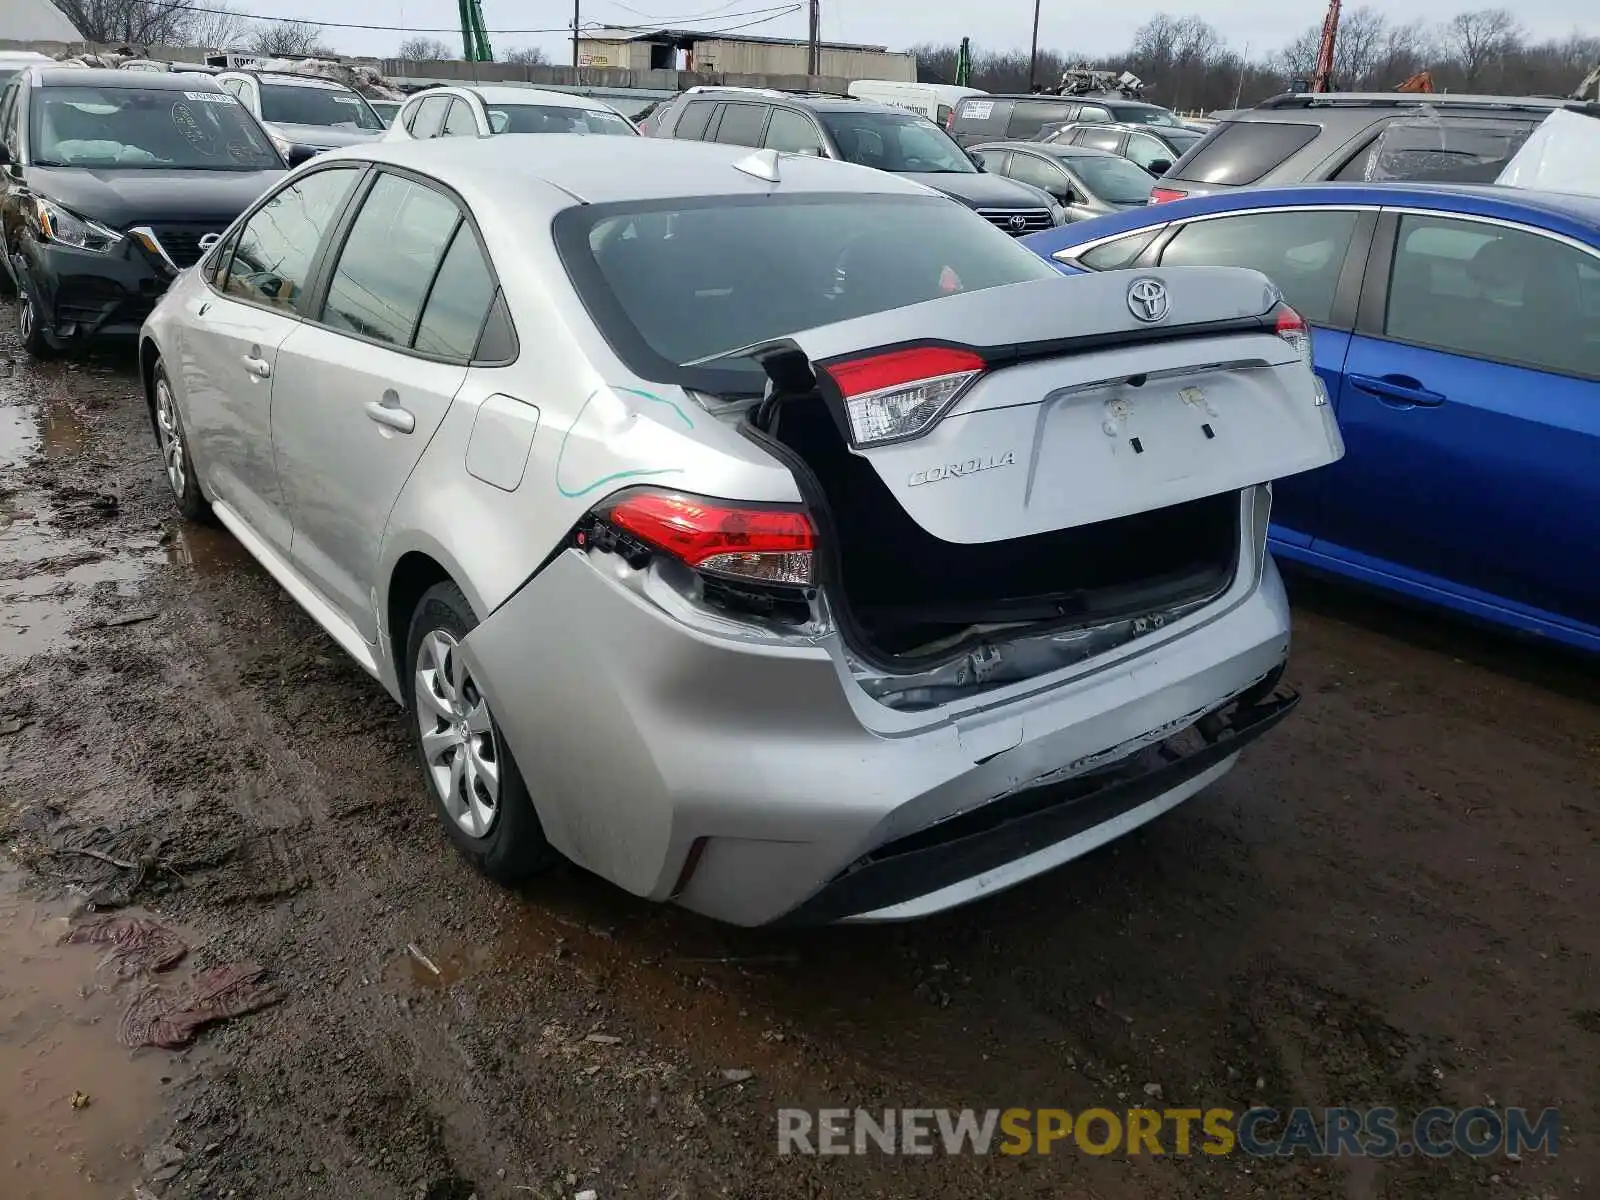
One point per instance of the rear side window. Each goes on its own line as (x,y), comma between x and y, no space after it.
(272,257)
(741,124)
(1028,117)
(1450,151)
(692,124)
(1241,152)
(458,301)
(388,261)
(1302,252)
(682,282)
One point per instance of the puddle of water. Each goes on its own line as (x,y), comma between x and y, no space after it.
(62,433)
(58,1020)
(19,434)
(204,550)
(437,968)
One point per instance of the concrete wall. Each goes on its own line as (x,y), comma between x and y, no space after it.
(456,71)
(758,58)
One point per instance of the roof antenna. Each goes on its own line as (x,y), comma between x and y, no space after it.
(763,164)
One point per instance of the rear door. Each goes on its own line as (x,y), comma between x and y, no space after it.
(1316,257)
(363,387)
(1471,406)
(1054,435)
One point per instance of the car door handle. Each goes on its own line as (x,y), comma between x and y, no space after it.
(390,415)
(259,367)
(1397,389)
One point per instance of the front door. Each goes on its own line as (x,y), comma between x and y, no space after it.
(1471,414)
(230,341)
(361,389)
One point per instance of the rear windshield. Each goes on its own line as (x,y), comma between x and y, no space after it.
(554,118)
(155,127)
(1241,152)
(293,104)
(673,284)
(1141,115)
(1115,180)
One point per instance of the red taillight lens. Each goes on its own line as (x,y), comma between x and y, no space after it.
(1292,328)
(1161,195)
(898,395)
(770,545)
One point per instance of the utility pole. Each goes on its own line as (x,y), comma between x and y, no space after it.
(1033,54)
(575,15)
(814,52)
(1244,62)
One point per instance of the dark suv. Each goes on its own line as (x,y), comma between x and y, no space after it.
(858,131)
(1306,138)
(1026,118)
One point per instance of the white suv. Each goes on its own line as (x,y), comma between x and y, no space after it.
(484,111)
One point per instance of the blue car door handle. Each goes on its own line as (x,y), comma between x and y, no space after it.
(1400,390)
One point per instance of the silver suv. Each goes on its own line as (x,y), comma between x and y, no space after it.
(1310,138)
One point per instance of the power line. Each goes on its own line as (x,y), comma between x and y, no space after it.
(776,11)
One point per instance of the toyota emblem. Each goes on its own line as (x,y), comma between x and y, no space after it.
(1148,300)
(1018,222)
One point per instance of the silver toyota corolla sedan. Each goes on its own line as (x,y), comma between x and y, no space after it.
(762,533)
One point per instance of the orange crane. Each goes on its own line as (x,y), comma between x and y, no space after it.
(1422,81)
(1322,73)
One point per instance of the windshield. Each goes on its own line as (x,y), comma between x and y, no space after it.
(309,104)
(555,118)
(1144,116)
(690,281)
(135,127)
(892,142)
(1115,180)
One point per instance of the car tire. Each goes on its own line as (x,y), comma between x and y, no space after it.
(476,787)
(173,442)
(30,327)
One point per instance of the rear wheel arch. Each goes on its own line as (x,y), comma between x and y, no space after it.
(413,575)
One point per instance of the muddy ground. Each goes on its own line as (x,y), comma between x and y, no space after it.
(1392,900)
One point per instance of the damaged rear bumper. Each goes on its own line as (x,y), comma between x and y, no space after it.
(1010,840)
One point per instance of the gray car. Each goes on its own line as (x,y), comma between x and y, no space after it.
(760,532)
(1086,183)
(1358,137)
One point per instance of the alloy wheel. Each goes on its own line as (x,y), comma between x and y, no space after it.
(458,739)
(171,438)
(25,316)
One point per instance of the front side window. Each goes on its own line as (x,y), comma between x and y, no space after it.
(9,104)
(1302,252)
(1090,113)
(311,104)
(1488,291)
(693,280)
(896,142)
(459,121)
(1047,177)
(428,117)
(1147,151)
(553,118)
(790,133)
(388,261)
(992,160)
(272,258)
(109,127)
(1140,114)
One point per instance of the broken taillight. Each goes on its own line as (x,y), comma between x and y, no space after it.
(1161,195)
(759,543)
(901,394)
(1292,328)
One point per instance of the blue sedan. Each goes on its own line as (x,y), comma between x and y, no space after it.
(1458,332)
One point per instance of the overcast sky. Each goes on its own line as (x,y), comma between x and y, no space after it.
(1264,25)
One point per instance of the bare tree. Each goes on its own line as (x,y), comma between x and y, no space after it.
(423,49)
(222,28)
(1479,40)
(125,22)
(1359,46)
(527,56)
(286,39)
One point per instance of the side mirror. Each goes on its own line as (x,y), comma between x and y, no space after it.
(299,153)
(1160,166)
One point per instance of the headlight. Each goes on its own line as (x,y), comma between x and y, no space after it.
(58,225)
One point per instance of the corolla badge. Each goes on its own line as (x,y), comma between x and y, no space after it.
(1148,300)
(956,470)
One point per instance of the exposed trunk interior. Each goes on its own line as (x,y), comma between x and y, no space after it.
(913,596)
